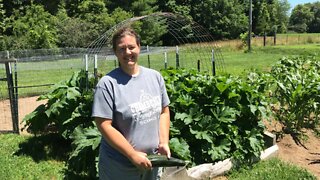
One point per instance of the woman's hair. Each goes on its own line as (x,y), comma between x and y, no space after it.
(120,33)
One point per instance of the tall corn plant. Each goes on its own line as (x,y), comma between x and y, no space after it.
(297,91)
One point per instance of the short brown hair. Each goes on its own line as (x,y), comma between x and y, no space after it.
(121,33)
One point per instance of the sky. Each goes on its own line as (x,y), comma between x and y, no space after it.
(293,3)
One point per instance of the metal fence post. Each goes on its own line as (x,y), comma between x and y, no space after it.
(264,39)
(12,98)
(177,57)
(86,65)
(165,60)
(275,38)
(16,98)
(95,69)
(149,65)
(213,63)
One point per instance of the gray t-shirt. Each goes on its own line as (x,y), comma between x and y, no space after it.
(134,103)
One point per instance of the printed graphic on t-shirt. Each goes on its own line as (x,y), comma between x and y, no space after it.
(147,109)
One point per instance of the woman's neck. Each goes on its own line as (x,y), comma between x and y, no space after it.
(133,71)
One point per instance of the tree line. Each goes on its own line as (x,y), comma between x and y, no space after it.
(36,24)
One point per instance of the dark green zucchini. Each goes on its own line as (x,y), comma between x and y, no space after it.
(163,161)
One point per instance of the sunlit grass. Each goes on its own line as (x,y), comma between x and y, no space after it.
(34,161)
(43,157)
(273,169)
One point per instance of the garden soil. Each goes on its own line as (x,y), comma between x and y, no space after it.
(305,154)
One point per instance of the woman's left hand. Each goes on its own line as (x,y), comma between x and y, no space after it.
(164,149)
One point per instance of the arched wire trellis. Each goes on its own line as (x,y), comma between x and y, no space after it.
(192,44)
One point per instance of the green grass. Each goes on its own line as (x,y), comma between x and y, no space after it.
(273,169)
(262,58)
(43,157)
(237,63)
(28,157)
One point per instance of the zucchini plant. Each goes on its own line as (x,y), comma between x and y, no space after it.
(68,113)
(215,118)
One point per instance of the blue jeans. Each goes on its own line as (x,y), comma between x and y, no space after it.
(110,169)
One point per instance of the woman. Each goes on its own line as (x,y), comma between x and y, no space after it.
(131,111)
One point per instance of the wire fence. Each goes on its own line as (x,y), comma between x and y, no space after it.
(31,73)
(35,75)
(37,70)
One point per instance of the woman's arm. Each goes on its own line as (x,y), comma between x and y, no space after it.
(118,141)
(164,132)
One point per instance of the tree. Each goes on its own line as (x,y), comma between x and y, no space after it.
(143,7)
(272,14)
(95,12)
(300,17)
(74,32)
(50,6)
(223,18)
(35,28)
(2,18)
(182,7)
(72,7)
(120,15)
(314,25)
(263,26)
(282,11)
(137,7)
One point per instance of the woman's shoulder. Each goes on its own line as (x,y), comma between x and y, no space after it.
(149,71)
(110,76)
(114,72)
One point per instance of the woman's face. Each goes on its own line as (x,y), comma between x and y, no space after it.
(127,51)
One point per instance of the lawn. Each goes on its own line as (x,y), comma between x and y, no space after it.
(272,169)
(28,157)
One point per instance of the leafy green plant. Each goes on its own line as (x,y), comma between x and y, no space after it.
(68,105)
(244,39)
(83,161)
(217,117)
(68,113)
(297,87)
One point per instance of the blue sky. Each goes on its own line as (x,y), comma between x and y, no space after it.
(293,3)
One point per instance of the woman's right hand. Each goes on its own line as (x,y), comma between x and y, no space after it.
(140,160)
